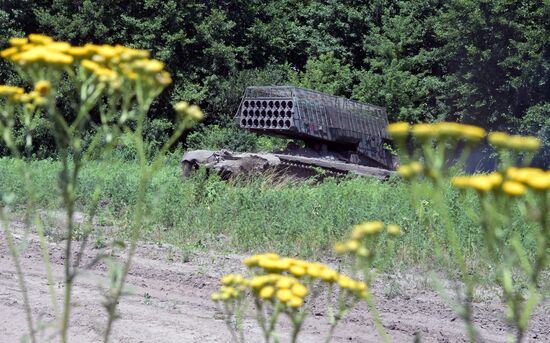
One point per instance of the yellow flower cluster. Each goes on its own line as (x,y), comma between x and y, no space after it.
(513,183)
(408,171)
(399,129)
(192,111)
(10,91)
(534,178)
(274,264)
(481,183)
(233,285)
(38,49)
(356,244)
(30,100)
(286,289)
(444,130)
(113,64)
(514,142)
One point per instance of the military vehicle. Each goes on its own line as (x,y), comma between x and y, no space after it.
(340,136)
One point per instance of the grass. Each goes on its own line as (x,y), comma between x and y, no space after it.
(254,215)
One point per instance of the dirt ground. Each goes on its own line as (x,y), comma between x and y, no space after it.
(169,302)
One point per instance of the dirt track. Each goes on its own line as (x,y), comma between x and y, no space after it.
(169,302)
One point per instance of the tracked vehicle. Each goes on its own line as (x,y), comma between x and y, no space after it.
(340,136)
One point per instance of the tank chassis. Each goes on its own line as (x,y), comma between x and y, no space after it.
(341,136)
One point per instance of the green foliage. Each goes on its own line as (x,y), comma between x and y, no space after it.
(401,71)
(484,62)
(256,215)
(537,122)
(325,74)
(496,59)
(215,137)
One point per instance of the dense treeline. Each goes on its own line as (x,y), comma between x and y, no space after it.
(485,62)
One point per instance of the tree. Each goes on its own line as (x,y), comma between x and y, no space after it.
(325,74)
(496,55)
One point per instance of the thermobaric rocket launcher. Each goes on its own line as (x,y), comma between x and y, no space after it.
(324,122)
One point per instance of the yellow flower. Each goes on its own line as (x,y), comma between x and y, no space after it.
(39,101)
(340,248)
(524,143)
(352,245)
(297,271)
(449,129)
(215,296)
(472,133)
(58,58)
(481,183)
(164,78)
(154,66)
(268,264)
(363,252)
(106,51)
(43,87)
(39,39)
(498,139)
(495,178)
(232,279)
(25,98)
(299,290)
(370,228)
(59,46)
(314,271)
(410,170)
(405,171)
(424,131)
(513,188)
(531,143)
(416,167)
(78,51)
(181,107)
(8,52)
(284,295)
(15,41)
(393,230)
(267,292)
(523,174)
(228,292)
(90,65)
(271,256)
(295,302)
(251,261)
(399,129)
(540,182)
(344,282)
(10,90)
(148,66)
(328,275)
(195,112)
(257,282)
(284,283)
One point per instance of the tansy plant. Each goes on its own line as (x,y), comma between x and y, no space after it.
(426,150)
(361,249)
(285,287)
(119,84)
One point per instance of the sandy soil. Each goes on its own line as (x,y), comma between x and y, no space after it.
(169,302)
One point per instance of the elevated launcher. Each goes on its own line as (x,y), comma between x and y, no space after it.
(324,122)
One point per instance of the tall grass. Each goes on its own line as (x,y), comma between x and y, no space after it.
(302,219)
